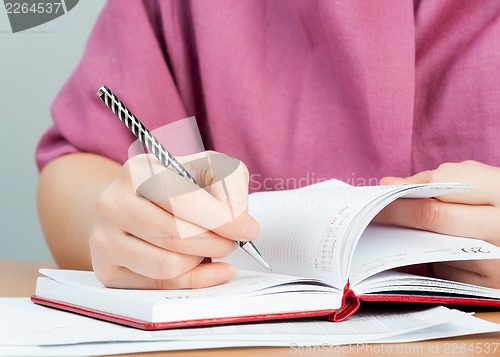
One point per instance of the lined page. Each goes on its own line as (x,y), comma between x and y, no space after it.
(382,248)
(302,230)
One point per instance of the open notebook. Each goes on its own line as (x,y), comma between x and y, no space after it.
(325,261)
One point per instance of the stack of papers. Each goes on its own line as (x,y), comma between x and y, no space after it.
(27,329)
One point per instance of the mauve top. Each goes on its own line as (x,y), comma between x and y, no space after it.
(297,89)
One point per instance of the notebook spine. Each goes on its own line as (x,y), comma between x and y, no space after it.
(350,304)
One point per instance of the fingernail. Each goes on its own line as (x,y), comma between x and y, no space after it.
(223,274)
(250,229)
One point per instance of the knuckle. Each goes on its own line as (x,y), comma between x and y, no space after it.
(166,268)
(99,243)
(445,171)
(437,177)
(446,166)
(105,276)
(171,236)
(470,162)
(429,214)
(106,204)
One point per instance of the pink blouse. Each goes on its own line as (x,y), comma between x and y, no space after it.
(300,90)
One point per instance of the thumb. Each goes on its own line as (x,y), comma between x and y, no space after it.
(202,276)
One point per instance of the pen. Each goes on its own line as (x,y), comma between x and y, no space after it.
(154,146)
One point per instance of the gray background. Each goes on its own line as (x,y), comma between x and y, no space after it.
(34,64)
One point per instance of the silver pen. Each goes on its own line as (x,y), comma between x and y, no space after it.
(162,154)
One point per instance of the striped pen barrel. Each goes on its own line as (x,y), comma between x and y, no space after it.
(142,133)
(162,154)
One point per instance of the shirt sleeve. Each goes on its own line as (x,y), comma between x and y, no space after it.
(125,53)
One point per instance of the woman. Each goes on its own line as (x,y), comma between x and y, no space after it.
(346,89)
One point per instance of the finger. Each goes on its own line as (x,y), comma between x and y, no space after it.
(481,267)
(151,223)
(454,273)
(140,257)
(187,201)
(474,173)
(443,217)
(483,176)
(201,276)
(145,220)
(421,177)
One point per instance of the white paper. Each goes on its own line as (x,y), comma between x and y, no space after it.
(32,330)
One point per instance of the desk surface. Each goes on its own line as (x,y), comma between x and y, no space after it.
(18,279)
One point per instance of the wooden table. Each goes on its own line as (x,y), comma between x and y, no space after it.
(18,279)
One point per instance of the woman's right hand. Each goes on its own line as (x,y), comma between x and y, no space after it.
(153,227)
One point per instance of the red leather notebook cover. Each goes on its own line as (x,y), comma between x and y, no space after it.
(146,325)
(427,299)
(350,303)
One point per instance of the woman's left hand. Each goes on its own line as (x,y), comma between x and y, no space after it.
(471,213)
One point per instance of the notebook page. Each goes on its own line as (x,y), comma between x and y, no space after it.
(405,282)
(245,283)
(302,230)
(382,248)
(407,191)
